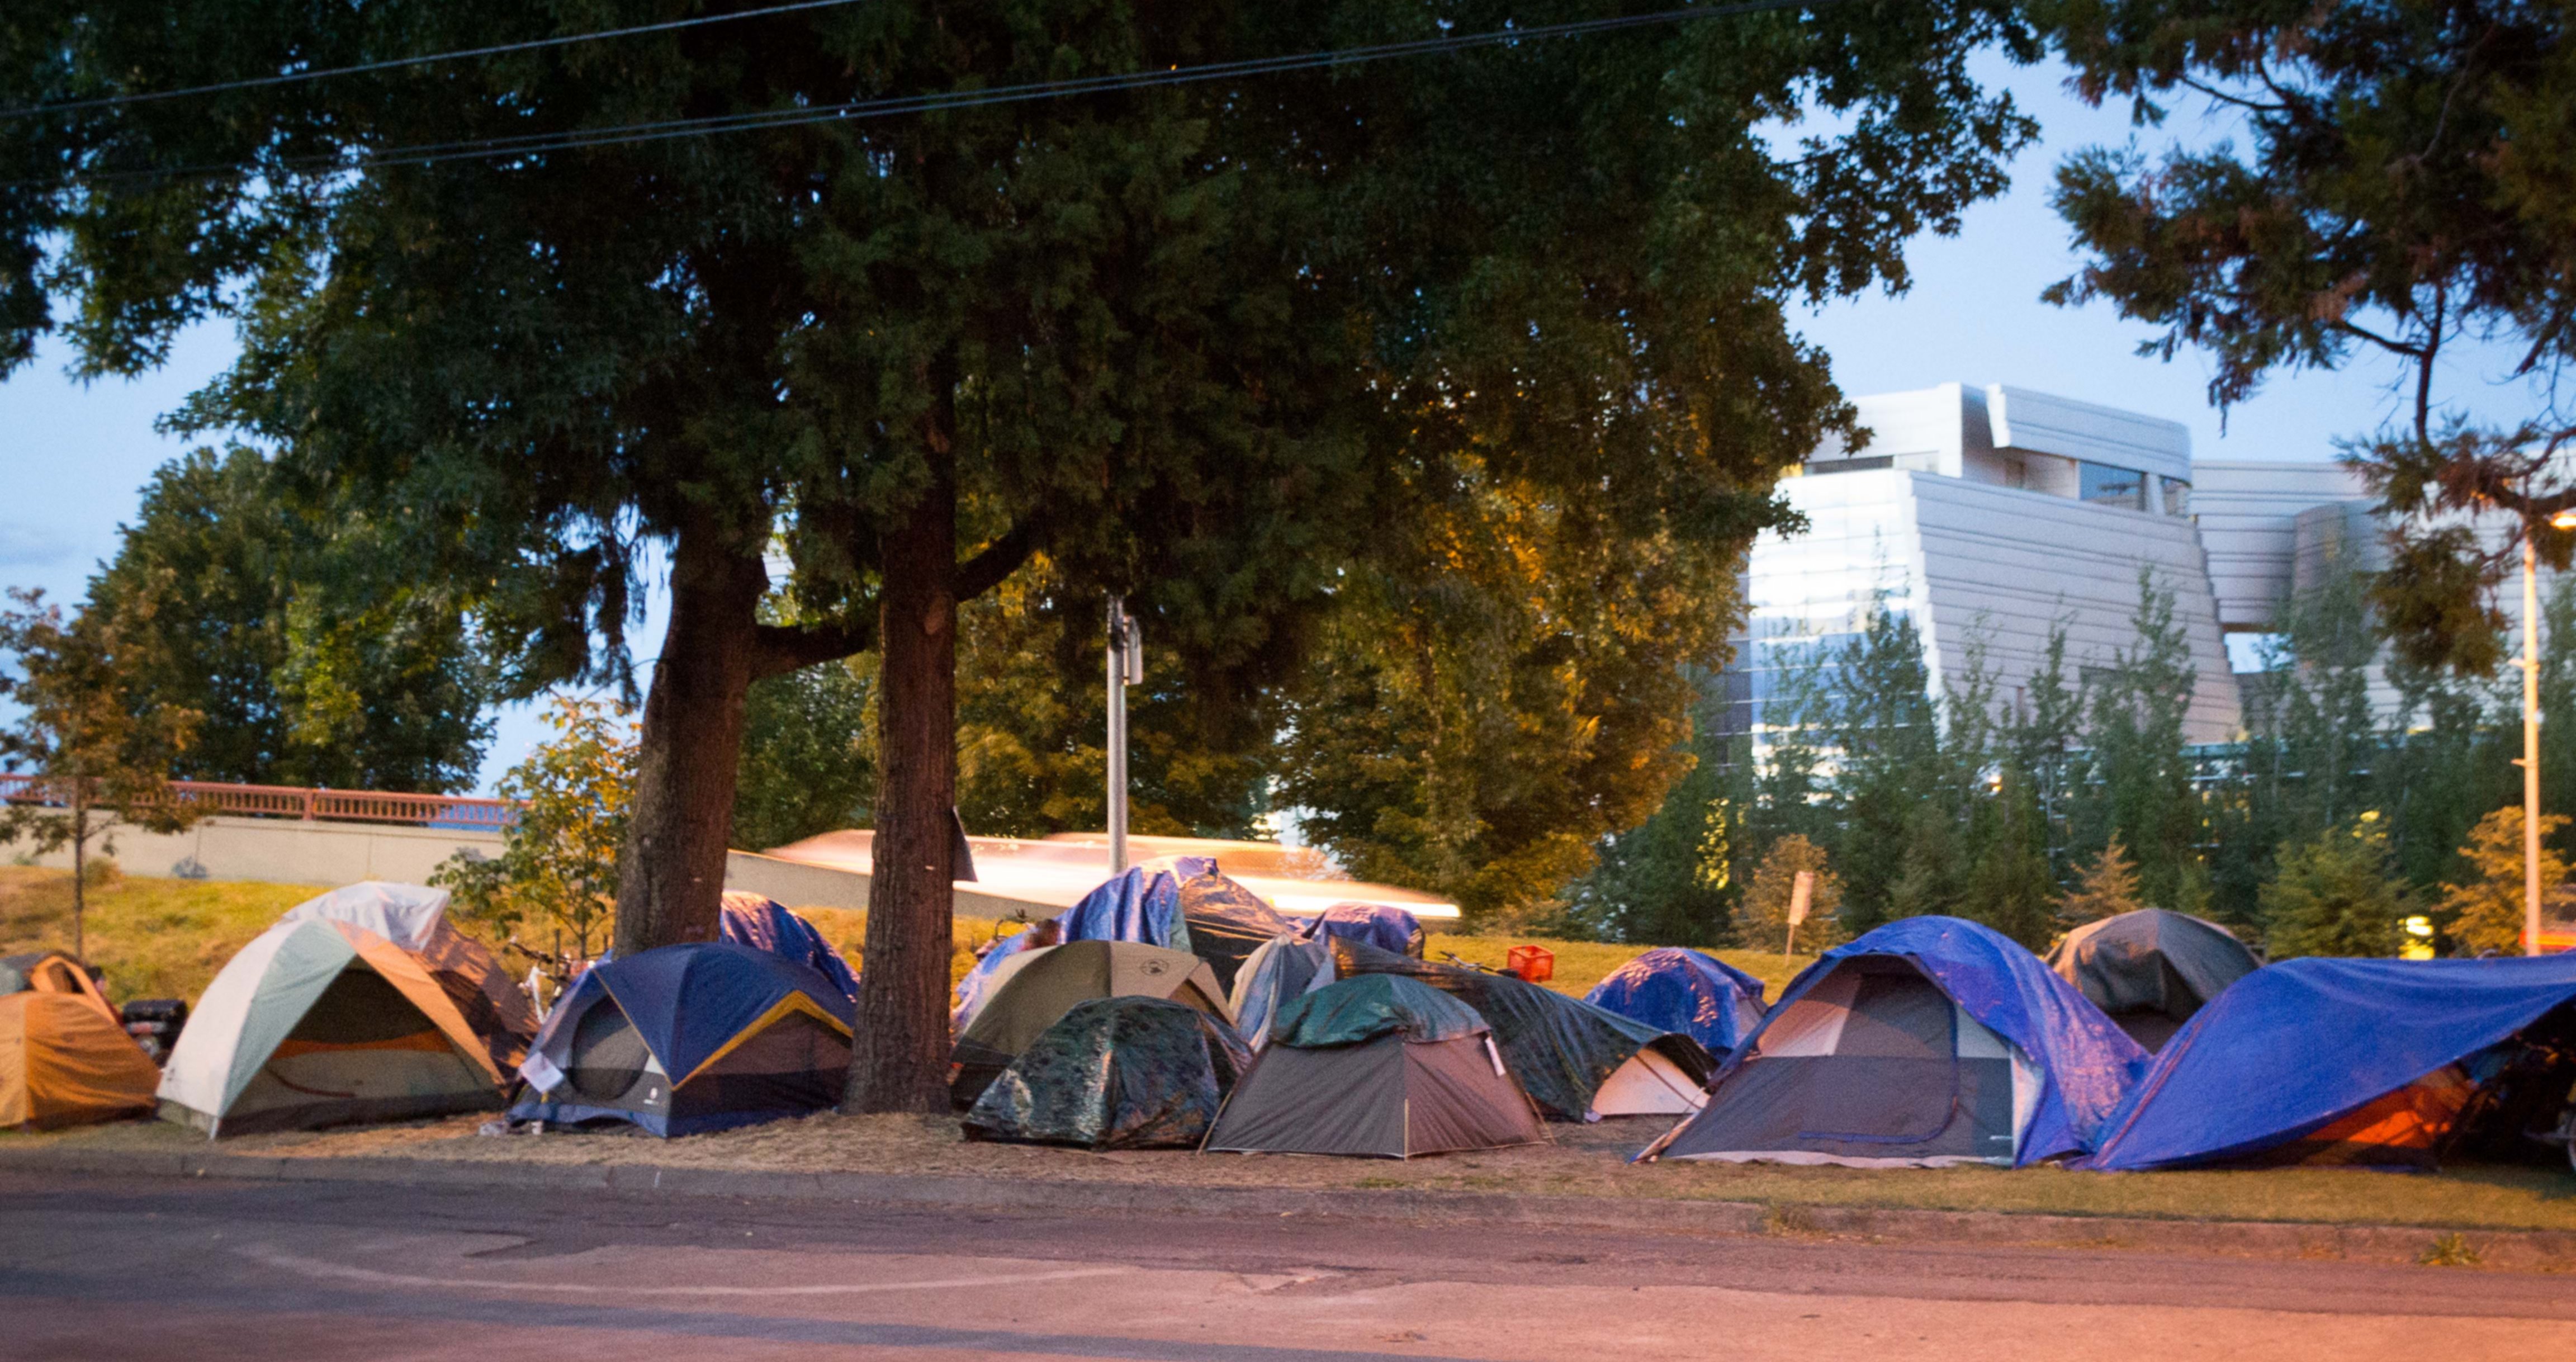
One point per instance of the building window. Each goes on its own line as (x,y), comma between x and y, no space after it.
(2104,485)
(1869,464)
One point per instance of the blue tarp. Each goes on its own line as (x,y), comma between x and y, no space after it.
(2295,1045)
(685,1003)
(765,924)
(1142,904)
(2085,1063)
(1377,924)
(1698,995)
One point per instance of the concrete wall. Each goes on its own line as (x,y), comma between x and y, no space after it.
(289,851)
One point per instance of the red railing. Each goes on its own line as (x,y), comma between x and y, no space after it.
(291,801)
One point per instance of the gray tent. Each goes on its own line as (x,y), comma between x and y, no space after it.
(1034,989)
(1377,1067)
(1115,1073)
(2151,969)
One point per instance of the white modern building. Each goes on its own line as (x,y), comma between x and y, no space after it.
(1993,516)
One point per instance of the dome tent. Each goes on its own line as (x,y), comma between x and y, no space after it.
(1036,988)
(317,1022)
(1227,923)
(2150,970)
(1382,925)
(1929,1041)
(53,972)
(66,1060)
(1577,1061)
(2377,1063)
(681,1040)
(1142,904)
(1115,1073)
(1675,989)
(1276,975)
(414,917)
(1379,1066)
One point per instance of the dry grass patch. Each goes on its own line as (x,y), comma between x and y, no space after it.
(1582,964)
(155,937)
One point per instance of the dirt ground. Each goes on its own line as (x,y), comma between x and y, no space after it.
(1581,1160)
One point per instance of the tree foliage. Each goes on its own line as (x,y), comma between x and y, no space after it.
(2404,186)
(2336,894)
(1763,921)
(553,888)
(2109,888)
(102,764)
(2482,912)
(303,633)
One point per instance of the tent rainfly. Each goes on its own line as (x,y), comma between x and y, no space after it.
(1228,923)
(1675,989)
(65,1060)
(1380,1066)
(2152,969)
(1142,903)
(765,924)
(681,1040)
(1930,1041)
(1036,988)
(317,1022)
(1277,974)
(54,972)
(414,917)
(2376,1063)
(1115,1073)
(1578,1061)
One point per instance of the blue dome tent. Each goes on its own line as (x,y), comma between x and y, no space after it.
(1686,991)
(765,924)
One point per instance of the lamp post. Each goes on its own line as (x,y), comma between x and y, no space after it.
(2564,520)
(1126,668)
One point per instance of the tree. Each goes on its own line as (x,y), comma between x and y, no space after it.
(808,762)
(303,634)
(2483,912)
(2335,894)
(1763,920)
(2403,187)
(103,765)
(556,877)
(1179,336)
(2109,888)
(2008,885)
(1676,878)
(2142,788)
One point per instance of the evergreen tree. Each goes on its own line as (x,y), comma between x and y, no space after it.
(1762,921)
(1674,878)
(2483,912)
(2109,888)
(2142,790)
(2336,894)
(2009,887)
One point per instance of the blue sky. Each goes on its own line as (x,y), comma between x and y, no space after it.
(76,456)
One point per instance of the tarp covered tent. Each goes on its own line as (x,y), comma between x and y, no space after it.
(1283,970)
(1036,988)
(765,924)
(1577,1061)
(1228,923)
(317,1022)
(1116,1073)
(2335,1061)
(1698,995)
(1142,903)
(681,1040)
(1929,1041)
(1382,925)
(53,972)
(414,917)
(2151,969)
(65,1060)
(1380,1066)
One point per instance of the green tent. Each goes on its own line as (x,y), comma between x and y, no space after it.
(1376,1067)
(1115,1073)
(1034,989)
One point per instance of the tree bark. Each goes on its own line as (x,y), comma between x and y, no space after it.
(670,880)
(899,1061)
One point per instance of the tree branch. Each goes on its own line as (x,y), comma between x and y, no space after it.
(999,559)
(781,648)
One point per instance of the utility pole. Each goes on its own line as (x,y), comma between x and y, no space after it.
(2530,747)
(1126,668)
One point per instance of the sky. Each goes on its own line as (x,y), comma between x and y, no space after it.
(74,457)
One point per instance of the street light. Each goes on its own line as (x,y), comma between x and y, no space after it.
(2564,520)
(1126,668)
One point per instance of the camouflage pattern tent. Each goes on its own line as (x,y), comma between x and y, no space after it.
(1115,1073)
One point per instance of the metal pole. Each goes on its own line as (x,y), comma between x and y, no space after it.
(1118,629)
(2530,747)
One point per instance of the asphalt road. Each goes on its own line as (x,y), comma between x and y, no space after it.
(208,1269)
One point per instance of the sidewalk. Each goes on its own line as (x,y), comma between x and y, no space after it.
(2516,1219)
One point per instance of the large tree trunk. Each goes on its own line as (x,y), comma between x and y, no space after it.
(670,881)
(900,1059)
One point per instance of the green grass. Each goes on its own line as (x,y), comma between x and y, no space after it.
(1581,964)
(156,938)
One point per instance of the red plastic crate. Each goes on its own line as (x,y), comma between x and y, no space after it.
(1534,964)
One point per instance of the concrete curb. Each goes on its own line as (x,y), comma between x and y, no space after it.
(2543,1250)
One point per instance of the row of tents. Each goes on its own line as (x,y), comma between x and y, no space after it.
(1173,1008)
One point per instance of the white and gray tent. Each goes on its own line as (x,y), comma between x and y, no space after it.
(317,1022)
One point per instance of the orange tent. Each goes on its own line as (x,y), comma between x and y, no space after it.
(63,1062)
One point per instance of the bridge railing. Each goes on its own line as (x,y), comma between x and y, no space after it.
(295,801)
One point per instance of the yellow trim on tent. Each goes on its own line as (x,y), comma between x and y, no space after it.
(404,971)
(793,1002)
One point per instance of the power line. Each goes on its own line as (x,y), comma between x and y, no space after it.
(529,144)
(393,63)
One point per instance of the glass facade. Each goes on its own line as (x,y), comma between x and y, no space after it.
(2104,485)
